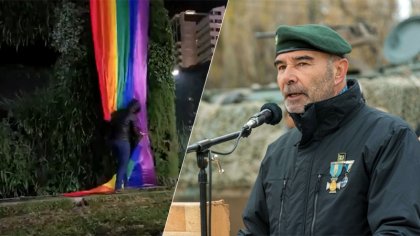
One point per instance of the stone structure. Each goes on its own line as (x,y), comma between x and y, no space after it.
(242,59)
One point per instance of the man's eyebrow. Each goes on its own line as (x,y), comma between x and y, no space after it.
(298,58)
(277,62)
(303,58)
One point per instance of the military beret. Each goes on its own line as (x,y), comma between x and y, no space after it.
(310,37)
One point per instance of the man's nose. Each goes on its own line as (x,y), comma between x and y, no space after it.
(288,76)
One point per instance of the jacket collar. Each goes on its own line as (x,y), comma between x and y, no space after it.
(324,117)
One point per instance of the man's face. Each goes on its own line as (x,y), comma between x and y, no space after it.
(304,77)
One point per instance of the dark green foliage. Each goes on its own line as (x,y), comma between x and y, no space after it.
(15,156)
(23,22)
(53,129)
(160,32)
(53,140)
(161,105)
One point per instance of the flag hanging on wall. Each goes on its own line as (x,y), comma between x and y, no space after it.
(120,37)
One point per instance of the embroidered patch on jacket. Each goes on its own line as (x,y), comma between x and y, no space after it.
(336,168)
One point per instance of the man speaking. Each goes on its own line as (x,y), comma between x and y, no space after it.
(346,169)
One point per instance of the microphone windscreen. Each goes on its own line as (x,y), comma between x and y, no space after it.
(276,113)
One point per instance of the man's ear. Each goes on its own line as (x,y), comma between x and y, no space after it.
(341,68)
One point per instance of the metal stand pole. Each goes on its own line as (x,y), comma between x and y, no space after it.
(202,180)
(202,151)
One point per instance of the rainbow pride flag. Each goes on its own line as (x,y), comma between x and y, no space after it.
(120,36)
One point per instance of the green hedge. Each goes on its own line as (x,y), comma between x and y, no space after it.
(52,140)
(22,23)
(161,97)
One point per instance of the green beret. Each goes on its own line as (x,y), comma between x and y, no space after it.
(310,37)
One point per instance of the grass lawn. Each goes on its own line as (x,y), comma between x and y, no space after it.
(134,212)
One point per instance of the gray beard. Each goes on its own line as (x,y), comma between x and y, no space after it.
(323,91)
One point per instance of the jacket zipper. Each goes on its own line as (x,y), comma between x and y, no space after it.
(307,193)
(282,202)
(318,183)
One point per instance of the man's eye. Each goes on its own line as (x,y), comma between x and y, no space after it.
(281,67)
(301,64)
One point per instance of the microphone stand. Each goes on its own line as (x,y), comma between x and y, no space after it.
(202,150)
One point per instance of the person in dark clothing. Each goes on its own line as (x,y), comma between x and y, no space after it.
(347,168)
(124,134)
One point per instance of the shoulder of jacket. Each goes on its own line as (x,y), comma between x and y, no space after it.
(385,120)
(381,127)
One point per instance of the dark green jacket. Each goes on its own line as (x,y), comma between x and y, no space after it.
(378,154)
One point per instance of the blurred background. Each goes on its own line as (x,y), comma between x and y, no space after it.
(242,78)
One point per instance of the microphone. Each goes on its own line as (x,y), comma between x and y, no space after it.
(270,113)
